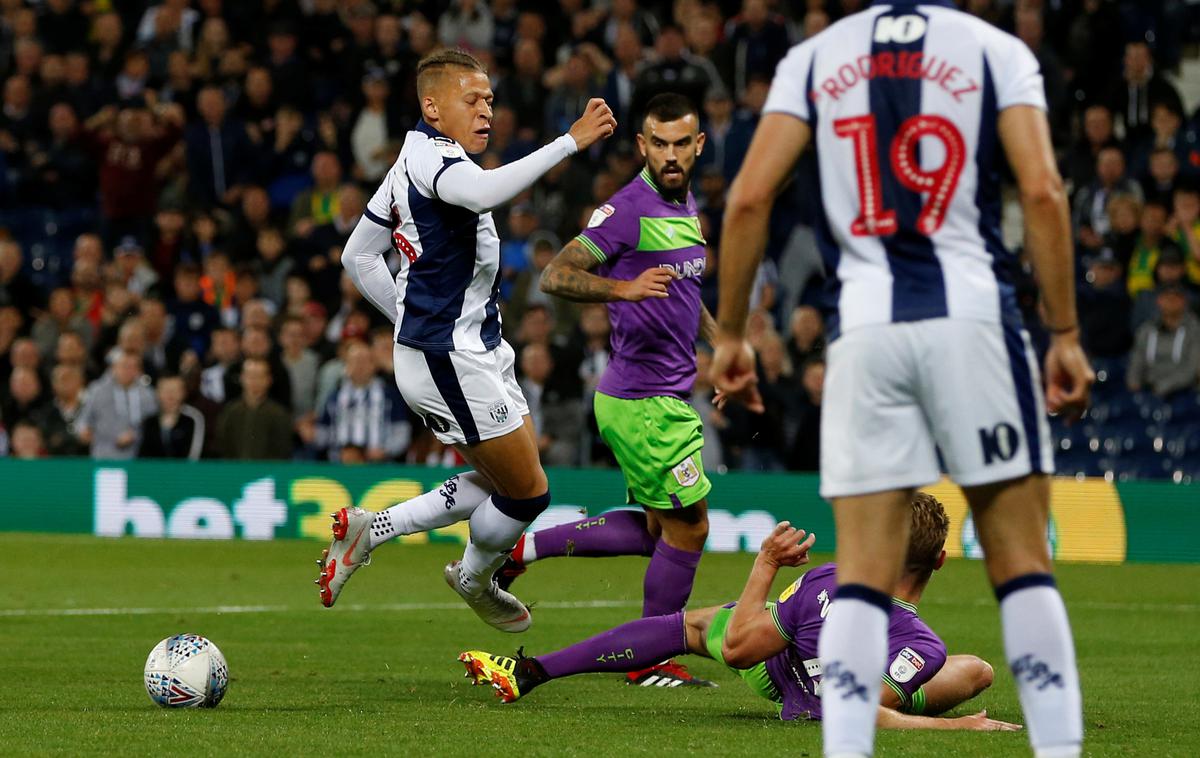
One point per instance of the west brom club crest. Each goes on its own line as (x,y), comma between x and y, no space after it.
(499,411)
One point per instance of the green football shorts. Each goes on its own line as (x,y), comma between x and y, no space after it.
(657,442)
(756,677)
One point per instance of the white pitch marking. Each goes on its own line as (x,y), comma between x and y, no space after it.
(1098,605)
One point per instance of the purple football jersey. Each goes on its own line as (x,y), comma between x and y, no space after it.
(915,653)
(653,341)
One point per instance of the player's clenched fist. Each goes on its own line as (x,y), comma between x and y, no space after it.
(596,123)
(652,282)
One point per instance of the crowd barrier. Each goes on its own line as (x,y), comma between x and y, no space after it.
(1092,520)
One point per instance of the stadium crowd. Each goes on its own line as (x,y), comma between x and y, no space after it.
(177,180)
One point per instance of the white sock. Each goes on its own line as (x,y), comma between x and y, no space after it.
(493,535)
(529,549)
(853,652)
(450,503)
(1041,655)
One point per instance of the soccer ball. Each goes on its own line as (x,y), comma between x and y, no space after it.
(186,671)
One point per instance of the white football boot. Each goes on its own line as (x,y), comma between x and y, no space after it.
(495,606)
(349,551)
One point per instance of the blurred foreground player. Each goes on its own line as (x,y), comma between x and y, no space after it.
(451,365)
(772,646)
(907,105)
(642,253)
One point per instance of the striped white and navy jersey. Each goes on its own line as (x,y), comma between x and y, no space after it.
(370,417)
(448,286)
(903,100)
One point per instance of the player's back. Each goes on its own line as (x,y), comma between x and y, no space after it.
(916,653)
(903,100)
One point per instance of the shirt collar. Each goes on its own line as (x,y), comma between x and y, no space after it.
(424,127)
(903,604)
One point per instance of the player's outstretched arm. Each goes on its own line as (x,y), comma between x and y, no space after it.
(976,722)
(362,257)
(467,185)
(778,142)
(752,636)
(569,276)
(1025,134)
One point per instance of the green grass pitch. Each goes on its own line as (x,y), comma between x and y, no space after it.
(377,674)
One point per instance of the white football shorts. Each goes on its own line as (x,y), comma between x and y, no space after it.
(464,396)
(898,395)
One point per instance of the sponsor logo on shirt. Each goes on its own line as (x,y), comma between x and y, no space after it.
(791,589)
(498,411)
(437,423)
(600,215)
(686,473)
(908,663)
(447,147)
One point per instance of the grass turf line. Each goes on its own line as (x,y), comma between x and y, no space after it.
(380,680)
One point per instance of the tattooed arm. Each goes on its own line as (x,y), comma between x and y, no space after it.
(708,326)
(570,277)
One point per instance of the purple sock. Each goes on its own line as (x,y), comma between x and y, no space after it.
(614,533)
(629,647)
(668,579)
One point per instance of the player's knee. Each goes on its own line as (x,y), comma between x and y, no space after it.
(981,676)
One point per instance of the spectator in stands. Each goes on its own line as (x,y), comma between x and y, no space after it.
(177,430)
(1186,220)
(25,442)
(675,70)
(128,145)
(16,289)
(759,40)
(273,266)
(1090,213)
(257,345)
(253,215)
(327,239)
(61,172)
(1169,269)
(1162,175)
(161,353)
(522,88)
(60,317)
(254,427)
(289,71)
(1166,132)
(1124,214)
(58,419)
(1139,90)
(577,84)
(226,352)
(23,400)
(365,411)
(766,434)
(302,364)
(194,320)
(1152,240)
(1166,353)
(316,321)
(116,405)
(1080,165)
(71,350)
(318,204)
(375,136)
(806,335)
(219,152)
(1105,307)
(23,354)
(467,24)
(805,452)
(556,415)
(1030,28)
(130,269)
